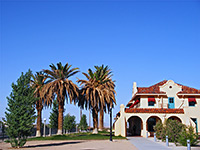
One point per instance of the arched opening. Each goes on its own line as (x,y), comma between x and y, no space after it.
(151,122)
(175,118)
(134,126)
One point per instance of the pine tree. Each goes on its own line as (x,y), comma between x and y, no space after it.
(83,123)
(69,122)
(54,116)
(20,114)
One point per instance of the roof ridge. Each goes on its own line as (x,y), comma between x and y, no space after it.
(155,84)
(161,82)
(187,86)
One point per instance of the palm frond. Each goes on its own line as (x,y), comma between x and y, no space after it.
(87,76)
(73,73)
(53,67)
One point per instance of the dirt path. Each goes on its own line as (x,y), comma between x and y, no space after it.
(75,145)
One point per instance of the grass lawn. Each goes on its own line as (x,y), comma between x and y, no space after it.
(102,135)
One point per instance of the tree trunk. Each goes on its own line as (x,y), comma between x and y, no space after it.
(39,120)
(60,117)
(95,121)
(101,120)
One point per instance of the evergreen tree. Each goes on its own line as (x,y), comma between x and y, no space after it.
(54,116)
(20,114)
(69,122)
(83,123)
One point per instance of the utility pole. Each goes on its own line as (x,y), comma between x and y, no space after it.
(80,113)
(89,119)
(110,124)
(44,134)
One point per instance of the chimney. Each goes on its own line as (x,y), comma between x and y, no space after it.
(134,89)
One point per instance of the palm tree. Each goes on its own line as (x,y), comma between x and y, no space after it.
(37,83)
(104,70)
(101,122)
(97,92)
(61,87)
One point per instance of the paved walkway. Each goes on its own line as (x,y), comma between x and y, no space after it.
(74,145)
(145,144)
(148,144)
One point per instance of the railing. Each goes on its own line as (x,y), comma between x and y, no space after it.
(164,105)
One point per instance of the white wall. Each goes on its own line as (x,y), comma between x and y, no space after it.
(171,90)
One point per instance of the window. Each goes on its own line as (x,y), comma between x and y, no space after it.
(195,121)
(171,100)
(171,104)
(151,103)
(191,101)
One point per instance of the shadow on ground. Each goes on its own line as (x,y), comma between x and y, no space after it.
(52,144)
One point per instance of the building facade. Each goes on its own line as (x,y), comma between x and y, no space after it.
(162,101)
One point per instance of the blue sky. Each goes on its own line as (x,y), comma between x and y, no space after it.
(142,41)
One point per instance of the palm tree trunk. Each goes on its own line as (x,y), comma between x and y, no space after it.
(95,121)
(101,120)
(39,112)
(60,117)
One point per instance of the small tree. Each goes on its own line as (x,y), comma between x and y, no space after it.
(83,123)
(69,122)
(20,114)
(170,128)
(173,130)
(188,134)
(54,116)
(159,129)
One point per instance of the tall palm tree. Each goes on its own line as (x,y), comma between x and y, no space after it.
(61,87)
(101,122)
(103,70)
(97,92)
(37,82)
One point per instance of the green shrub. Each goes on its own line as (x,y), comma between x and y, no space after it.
(173,129)
(158,128)
(188,134)
(170,128)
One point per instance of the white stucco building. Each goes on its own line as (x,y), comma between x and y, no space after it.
(164,100)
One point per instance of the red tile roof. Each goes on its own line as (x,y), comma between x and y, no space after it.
(154,110)
(152,89)
(155,89)
(188,90)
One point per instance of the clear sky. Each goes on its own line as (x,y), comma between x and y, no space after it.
(145,41)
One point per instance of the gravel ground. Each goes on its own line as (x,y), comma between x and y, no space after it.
(75,145)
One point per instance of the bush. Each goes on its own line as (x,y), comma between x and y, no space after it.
(188,134)
(158,128)
(176,132)
(170,128)
(173,129)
